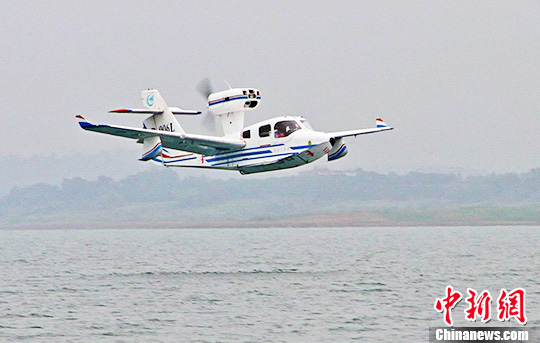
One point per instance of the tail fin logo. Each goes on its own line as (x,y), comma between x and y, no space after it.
(150,100)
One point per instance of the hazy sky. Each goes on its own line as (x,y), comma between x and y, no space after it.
(460,81)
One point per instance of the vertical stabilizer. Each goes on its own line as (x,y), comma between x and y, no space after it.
(152,99)
(164,120)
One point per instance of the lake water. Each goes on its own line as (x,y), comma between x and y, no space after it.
(254,285)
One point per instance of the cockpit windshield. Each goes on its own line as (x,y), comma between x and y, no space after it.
(305,123)
(285,128)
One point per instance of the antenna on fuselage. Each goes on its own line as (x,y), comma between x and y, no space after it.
(228,85)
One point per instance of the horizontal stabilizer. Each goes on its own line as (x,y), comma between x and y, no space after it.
(178,110)
(174,110)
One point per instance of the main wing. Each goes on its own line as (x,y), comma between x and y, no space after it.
(199,144)
(381,126)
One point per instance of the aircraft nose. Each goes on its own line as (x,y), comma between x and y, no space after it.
(314,138)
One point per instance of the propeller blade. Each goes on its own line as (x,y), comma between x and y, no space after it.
(209,121)
(205,88)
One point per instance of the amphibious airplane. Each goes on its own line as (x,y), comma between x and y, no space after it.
(277,143)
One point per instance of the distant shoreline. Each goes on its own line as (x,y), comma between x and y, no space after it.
(325,221)
(359,199)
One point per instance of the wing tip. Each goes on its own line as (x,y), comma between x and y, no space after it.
(83,123)
(380,123)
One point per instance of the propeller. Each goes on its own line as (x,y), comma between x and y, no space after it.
(205,89)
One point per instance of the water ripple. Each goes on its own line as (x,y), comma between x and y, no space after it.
(305,285)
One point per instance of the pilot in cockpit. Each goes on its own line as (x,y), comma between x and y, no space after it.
(281,130)
(285,128)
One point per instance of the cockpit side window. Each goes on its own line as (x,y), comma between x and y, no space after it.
(285,128)
(264,131)
(246,134)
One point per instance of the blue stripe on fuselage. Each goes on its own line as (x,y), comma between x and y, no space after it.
(239,155)
(180,160)
(302,147)
(257,153)
(242,150)
(255,158)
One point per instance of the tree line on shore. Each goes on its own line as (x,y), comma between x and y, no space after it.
(162,194)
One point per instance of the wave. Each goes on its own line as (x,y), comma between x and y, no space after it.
(236,272)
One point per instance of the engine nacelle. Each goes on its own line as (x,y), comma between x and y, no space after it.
(339,149)
(234,100)
(230,106)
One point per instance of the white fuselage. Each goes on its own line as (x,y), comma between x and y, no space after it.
(273,144)
(277,143)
